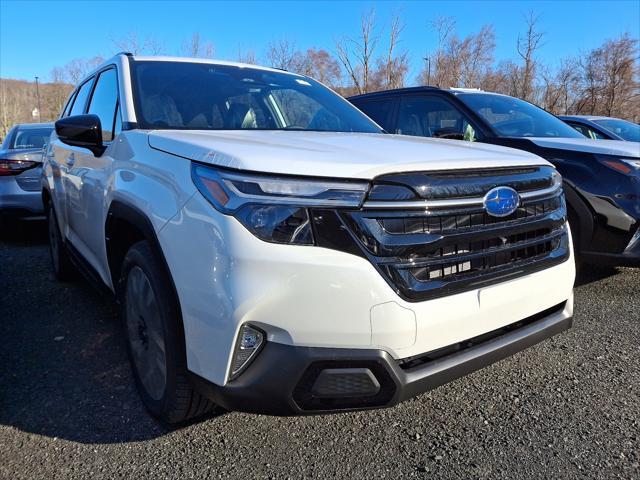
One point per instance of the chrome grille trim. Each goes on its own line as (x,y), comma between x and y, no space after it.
(454,202)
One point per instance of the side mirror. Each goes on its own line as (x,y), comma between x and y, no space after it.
(448,133)
(81,131)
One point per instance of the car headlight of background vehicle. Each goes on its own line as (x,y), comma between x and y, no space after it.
(275,208)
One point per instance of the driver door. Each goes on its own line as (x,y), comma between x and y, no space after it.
(434,116)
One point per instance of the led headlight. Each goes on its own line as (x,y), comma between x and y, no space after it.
(274,208)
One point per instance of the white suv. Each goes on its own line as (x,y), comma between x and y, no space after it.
(274,251)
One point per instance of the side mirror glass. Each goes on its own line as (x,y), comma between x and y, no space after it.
(81,131)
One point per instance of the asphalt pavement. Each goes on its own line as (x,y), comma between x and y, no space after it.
(566,408)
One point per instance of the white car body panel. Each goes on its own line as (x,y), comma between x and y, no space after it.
(301,295)
(251,280)
(328,154)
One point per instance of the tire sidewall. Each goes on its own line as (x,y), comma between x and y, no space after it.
(142,256)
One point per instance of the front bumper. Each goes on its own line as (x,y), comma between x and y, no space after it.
(629,258)
(283,380)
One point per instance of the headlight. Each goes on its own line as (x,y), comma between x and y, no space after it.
(274,208)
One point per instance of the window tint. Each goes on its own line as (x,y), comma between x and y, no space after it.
(67,108)
(512,117)
(31,137)
(117,126)
(182,95)
(81,98)
(587,132)
(380,111)
(104,101)
(627,130)
(432,116)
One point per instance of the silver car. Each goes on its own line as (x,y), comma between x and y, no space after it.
(20,169)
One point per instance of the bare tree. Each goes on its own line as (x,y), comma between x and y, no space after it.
(356,54)
(246,56)
(444,27)
(195,47)
(465,62)
(132,44)
(392,69)
(527,47)
(282,54)
(609,79)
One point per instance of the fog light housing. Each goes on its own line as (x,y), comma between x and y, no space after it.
(249,342)
(634,243)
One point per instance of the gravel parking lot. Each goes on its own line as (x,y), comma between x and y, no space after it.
(567,408)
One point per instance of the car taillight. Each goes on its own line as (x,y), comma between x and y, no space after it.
(15,167)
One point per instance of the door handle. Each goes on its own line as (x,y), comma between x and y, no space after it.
(71,159)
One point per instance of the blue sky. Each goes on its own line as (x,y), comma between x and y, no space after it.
(36,36)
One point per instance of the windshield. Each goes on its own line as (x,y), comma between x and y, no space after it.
(31,138)
(202,96)
(627,130)
(511,117)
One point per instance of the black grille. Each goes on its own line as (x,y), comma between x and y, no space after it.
(429,252)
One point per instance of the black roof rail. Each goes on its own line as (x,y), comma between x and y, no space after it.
(396,90)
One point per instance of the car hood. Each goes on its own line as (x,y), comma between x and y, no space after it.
(331,154)
(602,147)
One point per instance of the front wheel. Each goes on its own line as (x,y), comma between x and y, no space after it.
(155,338)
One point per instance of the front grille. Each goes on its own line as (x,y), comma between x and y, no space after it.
(426,252)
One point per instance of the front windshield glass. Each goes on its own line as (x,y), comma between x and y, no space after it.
(202,96)
(511,117)
(627,130)
(31,138)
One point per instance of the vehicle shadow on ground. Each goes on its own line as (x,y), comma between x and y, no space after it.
(65,371)
(593,273)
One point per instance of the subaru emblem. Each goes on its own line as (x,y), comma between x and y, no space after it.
(501,201)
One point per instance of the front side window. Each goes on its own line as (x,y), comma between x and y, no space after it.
(81,98)
(104,102)
(512,117)
(31,138)
(627,130)
(587,132)
(202,96)
(432,116)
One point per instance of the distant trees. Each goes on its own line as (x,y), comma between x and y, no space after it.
(365,70)
(459,61)
(603,81)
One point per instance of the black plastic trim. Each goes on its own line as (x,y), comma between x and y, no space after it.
(276,382)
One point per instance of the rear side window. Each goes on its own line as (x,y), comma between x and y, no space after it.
(380,111)
(81,98)
(104,102)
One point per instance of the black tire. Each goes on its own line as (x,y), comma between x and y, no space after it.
(61,263)
(155,338)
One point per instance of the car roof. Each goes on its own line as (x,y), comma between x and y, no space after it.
(145,58)
(421,89)
(586,117)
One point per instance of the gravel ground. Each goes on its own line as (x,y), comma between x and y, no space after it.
(567,408)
